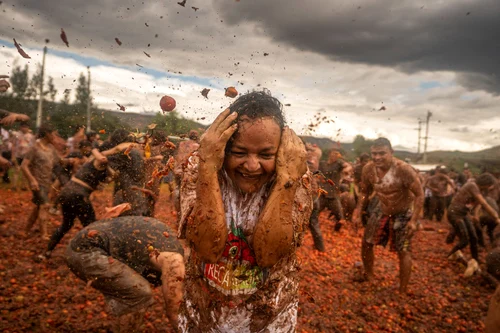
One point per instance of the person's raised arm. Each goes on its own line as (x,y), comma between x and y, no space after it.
(101,160)
(116,149)
(206,228)
(8,118)
(273,238)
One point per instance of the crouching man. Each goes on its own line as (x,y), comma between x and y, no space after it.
(122,257)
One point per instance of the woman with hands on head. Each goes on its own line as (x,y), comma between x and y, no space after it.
(245,201)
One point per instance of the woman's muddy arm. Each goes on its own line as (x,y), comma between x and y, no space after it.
(274,233)
(273,237)
(206,228)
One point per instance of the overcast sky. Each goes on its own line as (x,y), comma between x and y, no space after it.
(342,59)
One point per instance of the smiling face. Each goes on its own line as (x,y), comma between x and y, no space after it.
(381,156)
(251,160)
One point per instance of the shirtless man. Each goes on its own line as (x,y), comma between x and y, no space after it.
(438,184)
(397,187)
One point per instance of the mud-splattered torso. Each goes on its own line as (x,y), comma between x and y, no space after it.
(393,187)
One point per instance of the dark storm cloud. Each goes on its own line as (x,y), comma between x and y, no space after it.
(159,28)
(460,36)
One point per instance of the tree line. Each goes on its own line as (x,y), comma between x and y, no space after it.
(65,115)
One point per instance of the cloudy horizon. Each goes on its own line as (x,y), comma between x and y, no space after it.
(371,69)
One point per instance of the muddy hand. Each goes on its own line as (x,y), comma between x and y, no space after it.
(213,141)
(292,158)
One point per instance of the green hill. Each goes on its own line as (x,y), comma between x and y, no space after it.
(483,160)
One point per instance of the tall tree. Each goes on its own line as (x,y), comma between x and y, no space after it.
(360,145)
(66,97)
(33,90)
(82,91)
(19,81)
(52,91)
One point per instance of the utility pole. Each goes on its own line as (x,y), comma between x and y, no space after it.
(429,115)
(419,134)
(88,100)
(40,100)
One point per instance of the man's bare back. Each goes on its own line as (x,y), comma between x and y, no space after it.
(392,187)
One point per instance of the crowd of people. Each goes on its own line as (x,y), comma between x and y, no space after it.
(245,193)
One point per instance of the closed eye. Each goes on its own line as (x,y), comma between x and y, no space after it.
(238,153)
(267,156)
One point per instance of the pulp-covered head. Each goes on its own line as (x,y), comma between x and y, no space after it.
(250,159)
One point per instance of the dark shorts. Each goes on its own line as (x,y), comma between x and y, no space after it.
(383,229)
(40,197)
(124,290)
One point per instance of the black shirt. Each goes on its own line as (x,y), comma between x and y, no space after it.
(90,175)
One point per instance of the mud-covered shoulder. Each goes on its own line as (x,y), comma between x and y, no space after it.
(406,172)
(368,172)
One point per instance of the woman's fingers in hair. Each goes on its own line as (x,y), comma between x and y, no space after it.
(226,123)
(223,115)
(229,132)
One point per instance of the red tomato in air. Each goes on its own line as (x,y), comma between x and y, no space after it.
(167,103)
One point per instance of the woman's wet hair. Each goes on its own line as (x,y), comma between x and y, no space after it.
(255,105)
(259,104)
(44,130)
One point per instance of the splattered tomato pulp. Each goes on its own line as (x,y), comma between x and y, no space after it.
(231,92)
(167,103)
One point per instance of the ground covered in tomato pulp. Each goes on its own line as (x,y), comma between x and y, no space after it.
(48,297)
